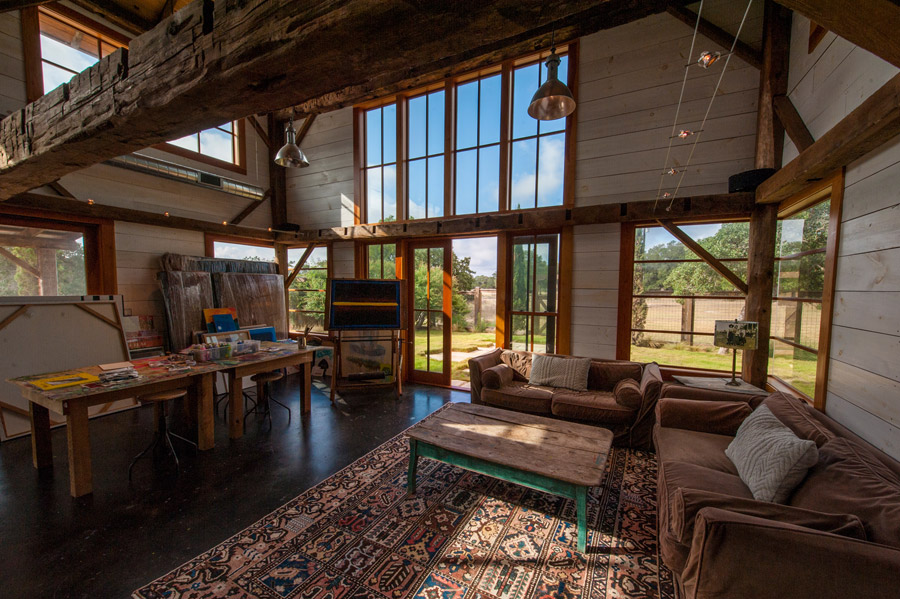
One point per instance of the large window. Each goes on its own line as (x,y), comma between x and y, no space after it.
(381,261)
(677,297)
(69,47)
(243,251)
(535,286)
(307,292)
(41,261)
(499,157)
(221,143)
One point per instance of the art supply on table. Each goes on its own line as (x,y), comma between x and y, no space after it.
(67,380)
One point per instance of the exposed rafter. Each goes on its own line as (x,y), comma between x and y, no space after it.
(7,5)
(117,14)
(744,51)
(208,64)
(873,123)
(792,122)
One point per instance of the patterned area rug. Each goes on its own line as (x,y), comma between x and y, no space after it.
(462,536)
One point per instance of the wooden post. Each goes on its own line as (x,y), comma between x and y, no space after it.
(80,479)
(41,447)
(764,218)
(277,174)
(46,258)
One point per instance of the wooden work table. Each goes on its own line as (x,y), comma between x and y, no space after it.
(73,402)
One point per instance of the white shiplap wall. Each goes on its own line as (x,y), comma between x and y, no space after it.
(12,65)
(864,370)
(321,195)
(629,84)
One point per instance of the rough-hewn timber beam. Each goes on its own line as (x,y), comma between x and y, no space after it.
(722,206)
(67,206)
(744,51)
(870,24)
(704,255)
(296,270)
(873,123)
(207,64)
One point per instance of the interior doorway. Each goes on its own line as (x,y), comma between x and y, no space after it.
(474,303)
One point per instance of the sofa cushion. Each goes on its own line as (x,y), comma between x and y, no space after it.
(560,372)
(651,382)
(590,406)
(797,415)
(849,479)
(604,375)
(496,376)
(701,449)
(628,394)
(519,396)
(718,417)
(519,361)
(769,457)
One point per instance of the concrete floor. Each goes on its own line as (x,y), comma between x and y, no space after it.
(124,535)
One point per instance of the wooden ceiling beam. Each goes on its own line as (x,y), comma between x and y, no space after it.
(128,215)
(713,207)
(744,51)
(215,62)
(792,122)
(8,5)
(870,24)
(873,123)
(116,14)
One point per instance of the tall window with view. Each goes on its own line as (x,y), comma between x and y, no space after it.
(535,288)
(426,156)
(306,295)
(68,48)
(538,147)
(41,261)
(381,164)
(477,151)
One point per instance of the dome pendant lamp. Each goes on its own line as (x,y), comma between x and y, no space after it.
(290,155)
(553,100)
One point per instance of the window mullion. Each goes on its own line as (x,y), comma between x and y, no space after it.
(505,134)
(449,143)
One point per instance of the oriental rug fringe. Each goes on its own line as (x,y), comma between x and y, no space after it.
(463,535)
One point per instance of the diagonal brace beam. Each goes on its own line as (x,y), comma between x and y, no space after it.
(704,255)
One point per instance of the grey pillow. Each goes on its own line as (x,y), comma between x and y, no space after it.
(769,457)
(556,371)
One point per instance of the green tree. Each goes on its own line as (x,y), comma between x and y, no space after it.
(70,272)
(698,278)
(486,281)
(639,304)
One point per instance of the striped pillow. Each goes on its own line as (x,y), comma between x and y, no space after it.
(555,371)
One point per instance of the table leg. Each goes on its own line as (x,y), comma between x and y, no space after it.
(41,448)
(306,387)
(413,464)
(80,482)
(581,509)
(203,392)
(235,406)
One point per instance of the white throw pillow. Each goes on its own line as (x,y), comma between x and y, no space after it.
(769,457)
(556,371)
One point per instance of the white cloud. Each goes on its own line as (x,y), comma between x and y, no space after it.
(482,250)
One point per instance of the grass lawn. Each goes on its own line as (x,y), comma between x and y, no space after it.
(799,373)
(462,341)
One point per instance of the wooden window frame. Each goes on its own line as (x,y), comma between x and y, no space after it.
(210,239)
(329,271)
(240,151)
(361,259)
(562,314)
(449,85)
(99,242)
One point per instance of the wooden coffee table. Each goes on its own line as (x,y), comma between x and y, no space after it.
(559,457)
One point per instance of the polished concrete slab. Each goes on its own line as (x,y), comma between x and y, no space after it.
(124,535)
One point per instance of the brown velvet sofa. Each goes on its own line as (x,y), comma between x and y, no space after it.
(621,395)
(837,536)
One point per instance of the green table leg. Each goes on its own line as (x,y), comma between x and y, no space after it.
(413,462)
(581,510)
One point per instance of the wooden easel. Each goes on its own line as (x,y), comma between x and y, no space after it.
(337,379)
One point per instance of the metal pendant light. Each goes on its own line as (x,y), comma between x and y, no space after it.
(290,155)
(553,100)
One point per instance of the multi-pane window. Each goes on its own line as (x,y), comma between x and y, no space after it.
(801,241)
(538,147)
(677,297)
(494,166)
(478,145)
(306,294)
(243,251)
(382,260)
(67,49)
(381,164)
(426,155)
(41,261)
(535,286)
(219,142)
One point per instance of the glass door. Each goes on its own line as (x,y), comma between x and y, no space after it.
(430,312)
(535,282)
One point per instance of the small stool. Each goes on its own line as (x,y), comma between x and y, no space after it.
(264,394)
(162,435)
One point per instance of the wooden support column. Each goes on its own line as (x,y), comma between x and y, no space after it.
(764,218)
(31,46)
(277,174)
(47,266)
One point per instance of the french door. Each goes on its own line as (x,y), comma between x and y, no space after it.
(430,311)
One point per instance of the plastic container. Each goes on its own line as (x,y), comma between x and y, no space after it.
(212,353)
(239,348)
